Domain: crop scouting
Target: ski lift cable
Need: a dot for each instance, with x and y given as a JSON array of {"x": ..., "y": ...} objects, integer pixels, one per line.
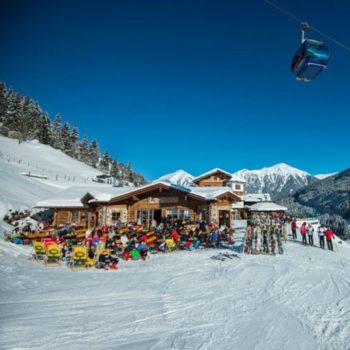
[{"x": 295, "y": 18}]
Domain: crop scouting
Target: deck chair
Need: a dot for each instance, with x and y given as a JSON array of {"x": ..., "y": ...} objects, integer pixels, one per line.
[
  {"x": 53, "y": 255},
  {"x": 80, "y": 234},
  {"x": 170, "y": 243},
  {"x": 79, "y": 257},
  {"x": 135, "y": 254},
  {"x": 39, "y": 250},
  {"x": 99, "y": 252}
]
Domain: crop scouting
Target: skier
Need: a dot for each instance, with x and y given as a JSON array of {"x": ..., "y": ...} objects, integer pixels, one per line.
[
  {"x": 329, "y": 235},
  {"x": 310, "y": 233},
  {"x": 321, "y": 231},
  {"x": 294, "y": 228},
  {"x": 303, "y": 231}
]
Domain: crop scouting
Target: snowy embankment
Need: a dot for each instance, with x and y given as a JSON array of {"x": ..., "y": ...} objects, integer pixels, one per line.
[
  {"x": 182, "y": 300},
  {"x": 21, "y": 192}
]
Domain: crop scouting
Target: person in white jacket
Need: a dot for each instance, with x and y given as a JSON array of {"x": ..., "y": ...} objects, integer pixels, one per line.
[
  {"x": 310, "y": 234},
  {"x": 321, "y": 231}
]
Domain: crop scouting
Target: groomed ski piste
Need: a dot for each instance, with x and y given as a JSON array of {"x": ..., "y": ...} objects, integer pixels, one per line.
[{"x": 180, "y": 300}]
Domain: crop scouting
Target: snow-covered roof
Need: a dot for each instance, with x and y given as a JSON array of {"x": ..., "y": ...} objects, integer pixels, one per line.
[
  {"x": 238, "y": 205},
  {"x": 72, "y": 196},
  {"x": 236, "y": 178},
  {"x": 212, "y": 172},
  {"x": 267, "y": 206},
  {"x": 210, "y": 193},
  {"x": 257, "y": 197},
  {"x": 165, "y": 184},
  {"x": 109, "y": 193}
]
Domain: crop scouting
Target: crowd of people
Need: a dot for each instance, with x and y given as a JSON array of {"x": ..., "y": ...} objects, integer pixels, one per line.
[
  {"x": 127, "y": 242},
  {"x": 268, "y": 233},
  {"x": 307, "y": 233},
  {"x": 265, "y": 234}
]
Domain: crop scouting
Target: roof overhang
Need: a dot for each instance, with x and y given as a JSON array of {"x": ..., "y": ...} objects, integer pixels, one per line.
[
  {"x": 230, "y": 195},
  {"x": 155, "y": 186},
  {"x": 211, "y": 172}
]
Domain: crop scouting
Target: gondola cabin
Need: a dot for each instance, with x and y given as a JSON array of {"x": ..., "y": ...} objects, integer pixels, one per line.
[{"x": 310, "y": 60}]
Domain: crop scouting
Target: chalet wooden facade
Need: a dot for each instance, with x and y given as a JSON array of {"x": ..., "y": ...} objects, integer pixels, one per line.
[{"x": 215, "y": 198}]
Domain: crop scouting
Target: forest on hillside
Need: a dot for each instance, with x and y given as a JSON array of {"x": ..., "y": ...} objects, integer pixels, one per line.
[{"x": 22, "y": 114}]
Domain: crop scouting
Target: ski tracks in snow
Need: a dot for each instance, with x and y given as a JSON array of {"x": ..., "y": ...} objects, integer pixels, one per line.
[{"x": 181, "y": 300}]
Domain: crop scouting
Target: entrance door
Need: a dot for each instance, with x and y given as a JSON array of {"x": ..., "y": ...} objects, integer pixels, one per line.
[
  {"x": 224, "y": 218},
  {"x": 157, "y": 215},
  {"x": 92, "y": 220}
]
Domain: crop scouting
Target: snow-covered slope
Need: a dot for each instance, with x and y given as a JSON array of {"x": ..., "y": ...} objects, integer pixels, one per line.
[
  {"x": 179, "y": 177},
  {"x": 21, "y": 192},
  {"x": 278, "y": 180},
  {"x": 324, "y": 176},
  {"x": 182, "y": 300}
]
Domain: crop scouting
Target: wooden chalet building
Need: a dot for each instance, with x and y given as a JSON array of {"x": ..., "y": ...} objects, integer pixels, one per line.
[{"x": 215, "y": 197}]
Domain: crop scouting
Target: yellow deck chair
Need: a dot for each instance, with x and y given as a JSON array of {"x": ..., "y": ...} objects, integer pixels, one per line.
[
  {"x": 101, "y": 251},
  {"x": 53, "y": 255},
  {"x": 170, "y": 243},
  {"x": 39, "y": 250},
  {"x": 79, "y": 257}
]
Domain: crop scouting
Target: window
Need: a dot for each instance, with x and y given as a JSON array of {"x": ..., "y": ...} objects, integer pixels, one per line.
[
  {"x": 115, "y": 216},
  {"x": 143, "y": 217},
  {"x": 75, "y": 216},
  {"x": 178, "y": 214},
  {"x": 237, "y": 187}
]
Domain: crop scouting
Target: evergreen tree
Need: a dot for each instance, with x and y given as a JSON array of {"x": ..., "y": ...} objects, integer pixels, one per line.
[
  {"x": 66, "y": 140},
  {"x": 44, "y": 132},
  {"x": 14, "y": 114},
  {"x": 3, "y": 101},
  {"x": 94, "y": 154},
  {"x": 114, "y": 171},
  {"x": 74, "y": 143},
  {"x": 32, "y": 119},
  {"x": 84, "y": 150},
  {"x": 104, "y": 163},
  {"x": 56, "y": 140}
]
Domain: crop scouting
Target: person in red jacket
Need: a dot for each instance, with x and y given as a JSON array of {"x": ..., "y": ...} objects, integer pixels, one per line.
[
  {"x": 303, "y": 231},
  {"x": 175, "y": 235},
  {"x": 329, "y": 236}
]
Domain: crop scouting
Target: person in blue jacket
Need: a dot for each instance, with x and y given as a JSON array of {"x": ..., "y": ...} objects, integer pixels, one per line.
[{"x": 143, "y": 248}]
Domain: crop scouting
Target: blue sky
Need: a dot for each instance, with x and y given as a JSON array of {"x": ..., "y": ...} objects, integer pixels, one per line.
[{"x": 184, "y": 84}]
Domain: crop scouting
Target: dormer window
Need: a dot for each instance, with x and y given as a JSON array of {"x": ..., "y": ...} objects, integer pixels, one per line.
[{"x": 237, "y": 187}]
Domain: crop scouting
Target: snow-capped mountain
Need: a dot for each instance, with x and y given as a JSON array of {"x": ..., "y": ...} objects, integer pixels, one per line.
[
  {"x": 179, "y": 177},
  {"x": 278, "y": 180}
]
